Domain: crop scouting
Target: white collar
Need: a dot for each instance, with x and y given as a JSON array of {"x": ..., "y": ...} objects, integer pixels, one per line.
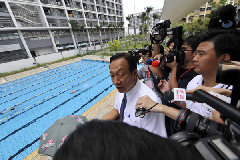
[{"x": 130, "y": 94}]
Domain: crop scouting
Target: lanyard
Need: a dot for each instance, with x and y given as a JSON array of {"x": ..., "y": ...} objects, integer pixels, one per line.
[{"x": 184, "y": 72}]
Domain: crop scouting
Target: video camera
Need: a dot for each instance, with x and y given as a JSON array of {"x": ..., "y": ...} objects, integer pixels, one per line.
[
  {"x": 211, "y": 139},
  {"x": 160, "y": 31},
  {"x": 148, "y": 49}
]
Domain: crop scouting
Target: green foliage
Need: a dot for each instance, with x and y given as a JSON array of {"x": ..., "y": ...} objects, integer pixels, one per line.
[
  {"x": 114, "y": 45},
  {"x": 75, "y": 25},
  {"x": 196, "y": 27},
  {"x": 145, "y": 28},
  {"x": 217, "y": 7}
]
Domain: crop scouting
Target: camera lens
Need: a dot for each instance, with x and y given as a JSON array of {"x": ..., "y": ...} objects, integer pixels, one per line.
[{"x": 194, "y": 122}]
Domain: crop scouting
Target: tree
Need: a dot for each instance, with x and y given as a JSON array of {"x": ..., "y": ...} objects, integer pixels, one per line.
[
  {"x": 98, "y": 28},
  {"x": 217, "y": 7},
  {"x": 92, "y": 31},
  {"x": 155, "y": 16},
  {"x": 109, "y": 27},
  {"x": 119, "y": 25},
  {"x": 148, "y": 10},
  {"x": 81, "y": 28},
  {"x": 143, "y": 17},
  {"x": 114, "y": 27},
  {"x": 75, "y": 28},
  {"x": 197, "y": 27},
  {"x": 114, "y": 45},
  {"x": 145, "y": 29},
  {"x": 129, "y": 19},
  {"x": 103, "y": 24}
]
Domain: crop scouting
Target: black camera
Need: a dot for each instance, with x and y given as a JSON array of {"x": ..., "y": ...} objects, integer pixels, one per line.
[
  {"x": 140, "y": 112},
  {"x": 148, "y": 49},
  {"x": 160, "y": 31},
  {"x": 180, "y": 55}
]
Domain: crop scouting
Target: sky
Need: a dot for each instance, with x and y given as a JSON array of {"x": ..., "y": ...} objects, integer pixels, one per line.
[{"x": 128, "y": 6}]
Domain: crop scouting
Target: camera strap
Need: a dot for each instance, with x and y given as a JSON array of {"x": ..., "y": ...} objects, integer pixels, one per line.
[
  {"x": 184, "y": 73},
  {"x": 155, "y": 81}
]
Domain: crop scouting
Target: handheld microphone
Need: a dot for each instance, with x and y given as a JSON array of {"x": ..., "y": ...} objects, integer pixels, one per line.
[
  {"x": 156, "y": 63},
  {"x": 179, "y": 94},
  {"x": 149, "y": 61},
  {"x": 223, "y": 107}
]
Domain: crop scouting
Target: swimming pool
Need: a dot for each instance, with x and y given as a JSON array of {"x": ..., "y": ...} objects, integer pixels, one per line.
[{"x": 28, "y": 106}]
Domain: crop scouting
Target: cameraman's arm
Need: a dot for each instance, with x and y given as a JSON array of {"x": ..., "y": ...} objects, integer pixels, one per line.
[
  {"x": 173, "y": 78},
  {"x": 156, "y": 50},
  {"x": 157, "y": 71}
]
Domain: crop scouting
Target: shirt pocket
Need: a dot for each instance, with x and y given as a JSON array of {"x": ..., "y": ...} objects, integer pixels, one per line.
[{"x": 133, "y": 121}]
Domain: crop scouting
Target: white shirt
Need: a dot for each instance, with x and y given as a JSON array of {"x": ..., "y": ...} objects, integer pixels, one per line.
[
  {"x": 198, "y": 107},
  {"x": 153, "y": 122}
]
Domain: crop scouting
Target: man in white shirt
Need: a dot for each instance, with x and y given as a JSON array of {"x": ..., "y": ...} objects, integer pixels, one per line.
[{"x": 123, "y": 71}]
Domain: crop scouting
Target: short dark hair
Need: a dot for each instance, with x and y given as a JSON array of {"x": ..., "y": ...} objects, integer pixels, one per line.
[
  {"x": 193, "y": 41},
  {"x": 131, "y": 60},
  {"x": 119, "y": 141},
  {"x": 225, "y": 41}
]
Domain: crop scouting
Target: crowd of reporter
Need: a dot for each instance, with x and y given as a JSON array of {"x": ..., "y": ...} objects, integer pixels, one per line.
[{"x": 197, "y": 70}]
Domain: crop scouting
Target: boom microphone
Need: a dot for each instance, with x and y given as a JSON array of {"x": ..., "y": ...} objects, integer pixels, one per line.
[{"x": 223, "y": 107}]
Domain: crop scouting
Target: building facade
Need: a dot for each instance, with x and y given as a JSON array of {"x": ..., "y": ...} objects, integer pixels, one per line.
[
  {"x": 138, "y": 21},
  {"x": 42, "y": 27},
  {"x": 204, "y": 10}
]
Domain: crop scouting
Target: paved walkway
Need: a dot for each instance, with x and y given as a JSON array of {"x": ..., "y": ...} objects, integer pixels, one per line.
[{"x": 97, "y": 111}]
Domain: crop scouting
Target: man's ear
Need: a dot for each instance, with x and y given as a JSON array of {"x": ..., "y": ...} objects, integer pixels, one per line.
[{"x": 226, "y": 57}]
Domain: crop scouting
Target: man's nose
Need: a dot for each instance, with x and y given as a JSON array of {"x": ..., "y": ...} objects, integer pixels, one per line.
[{"x": 116, "y": 80}]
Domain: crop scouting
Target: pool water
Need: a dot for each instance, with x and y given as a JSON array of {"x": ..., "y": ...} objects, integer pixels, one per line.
[{"x": 30, "y": 105}]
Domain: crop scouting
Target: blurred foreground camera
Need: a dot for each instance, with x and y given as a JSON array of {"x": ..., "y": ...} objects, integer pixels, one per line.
[
  {"x": 228, "y": 74},
  {"x": 211, "y": 139}
]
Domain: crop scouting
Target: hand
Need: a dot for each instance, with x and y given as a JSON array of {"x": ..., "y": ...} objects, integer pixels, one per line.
[
  {"x": 199, "y": 87},
  {"x": 163, "y": 86},
  {"x": 158, "y": 57},
  {"x": 216, "y": 117},
  {"x": 146, "y": 102},
  {"x": 172, "y": 64},
  {"x": 144, "y": 58}
]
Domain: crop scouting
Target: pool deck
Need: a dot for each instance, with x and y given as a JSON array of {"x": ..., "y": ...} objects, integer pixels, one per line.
[{"x": 97, "y": 111}]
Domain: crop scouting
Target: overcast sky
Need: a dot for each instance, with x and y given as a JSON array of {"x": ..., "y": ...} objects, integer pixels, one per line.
[{"x": 128, "y": 6}]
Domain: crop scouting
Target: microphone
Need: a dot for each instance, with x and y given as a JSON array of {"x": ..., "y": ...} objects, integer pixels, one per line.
[
  {"x": 149, "y": 61},
  {"x": 224, "y": 108},
  {"x": 156, "y": 63},
  {"x": 179, "y": 94}
]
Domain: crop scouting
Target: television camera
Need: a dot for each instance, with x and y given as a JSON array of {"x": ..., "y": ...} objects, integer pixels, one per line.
[{"x": 159, "y": 33}]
